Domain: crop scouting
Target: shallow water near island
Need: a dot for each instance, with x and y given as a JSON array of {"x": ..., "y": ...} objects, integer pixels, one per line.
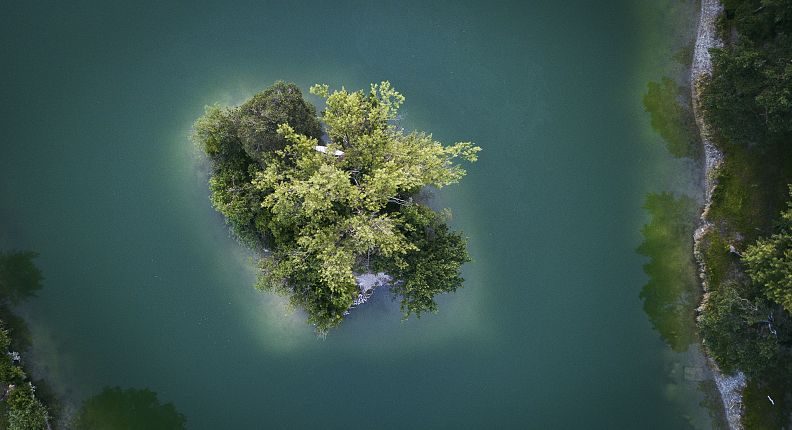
[{"x": 144, "y": 287}]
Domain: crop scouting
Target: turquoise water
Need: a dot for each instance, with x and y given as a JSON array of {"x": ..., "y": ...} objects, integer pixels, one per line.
[{"x": 144, "y": 288}]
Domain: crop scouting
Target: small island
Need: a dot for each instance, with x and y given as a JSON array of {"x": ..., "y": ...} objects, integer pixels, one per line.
[{"x": 333, "y": 203}]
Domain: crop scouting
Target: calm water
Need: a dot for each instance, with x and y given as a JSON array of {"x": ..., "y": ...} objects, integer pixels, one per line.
[{"x": 144, "y": 288}]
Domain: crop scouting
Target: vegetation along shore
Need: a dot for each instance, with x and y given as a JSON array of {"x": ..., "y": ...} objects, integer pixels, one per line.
[{"x": 742, "y": 92}]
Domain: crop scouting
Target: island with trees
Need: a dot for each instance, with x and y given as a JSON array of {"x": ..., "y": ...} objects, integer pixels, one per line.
[{"x": 331, "y": 202}]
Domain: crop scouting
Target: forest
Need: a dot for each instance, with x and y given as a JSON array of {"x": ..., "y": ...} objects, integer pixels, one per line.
[{"x": 746, "y": 322}]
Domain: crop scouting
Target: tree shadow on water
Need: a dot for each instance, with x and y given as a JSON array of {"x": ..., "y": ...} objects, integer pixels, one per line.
[
  {"x": 127, "y": 409},
  {"x": 672, "y": 293},
  {"x": 20, "y": 278},
  {"x": 669, "y": 106},
  {"x": 113, "y": 408}
]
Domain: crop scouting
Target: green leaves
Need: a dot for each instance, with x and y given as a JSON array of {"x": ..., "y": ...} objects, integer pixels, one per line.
[
  {"x": 733, "y": 334},
  {"x": 259, "y": 119},
  {"x": 331, "y": 209},
  {"x": 769, "y": 262},
  {"x": 432, "y": 267},
  {"x": 25, "y": 411},
  {"x": 749, "y": 98}
]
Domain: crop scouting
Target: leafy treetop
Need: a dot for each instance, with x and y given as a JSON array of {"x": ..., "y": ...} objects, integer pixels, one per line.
[{"x": 769, "y": 261}]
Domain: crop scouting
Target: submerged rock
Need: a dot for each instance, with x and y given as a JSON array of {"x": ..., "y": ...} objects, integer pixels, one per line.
[{"x": 367, "y": 283}]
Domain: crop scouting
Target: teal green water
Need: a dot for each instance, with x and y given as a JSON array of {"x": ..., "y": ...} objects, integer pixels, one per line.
[{"x": 145, "y": 289}]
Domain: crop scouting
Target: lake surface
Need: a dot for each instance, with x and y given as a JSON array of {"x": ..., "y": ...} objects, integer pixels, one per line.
[{"x": 144, "y": 287}]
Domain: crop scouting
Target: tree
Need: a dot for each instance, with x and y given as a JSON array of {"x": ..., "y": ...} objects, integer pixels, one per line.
[
  {"x": 432, "y": 266},
  {"x": 19, "y": 280},
  {"x": 130, "y": 409},
  {"x": 735, "y": 332},
  {"x": 331, "y": 211},
  {"x": 729, "y": 97},
  {"x": 749, "y": 98},
  {"x": 258, "y": 119},
  {"x": 25, "y": 412},
  {"x": 769, "y": 261},
  {"x": 332, "y": 208},
  {"x": 238, "y": 142}
]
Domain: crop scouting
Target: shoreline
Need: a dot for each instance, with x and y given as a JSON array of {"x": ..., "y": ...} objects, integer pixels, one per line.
[{"x": 730, "y": 387}]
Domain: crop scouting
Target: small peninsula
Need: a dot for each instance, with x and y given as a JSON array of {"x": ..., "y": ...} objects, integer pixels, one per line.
[{"x": 333, "y": 202}]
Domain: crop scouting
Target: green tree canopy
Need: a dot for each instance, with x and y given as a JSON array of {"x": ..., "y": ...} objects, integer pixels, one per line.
[
  {"x": 258, "y": 119},
  {"x": 769, "y": 262},
  {"x": 21, "y": 409},
  {"x": 331, "y": 209},
  {"x": 735, "y": 332},
  {"x": 239, "y": 141},
  {"x": 749, "y": 98},
  {"x": 25, "y": 412}
]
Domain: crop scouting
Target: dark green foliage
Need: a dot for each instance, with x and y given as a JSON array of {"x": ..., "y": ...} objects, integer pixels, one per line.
[
  {"x": 760, "y": 21},
  {"x": 235, "y": 197},
  {"x": 25, "y": 412},
  {"x": 19, "y": 280},
  {"x": 130, "y": 409},
  {"x": 669, "y": 107},
  {"x": 238, "y": 142},
  {"x": 216, "y": 134},
  {"x": 747, "y": 103},
  {"x": 46, "y": 394},
  {"x": 300, "y": 279},
  {"x": 433, "y": 268},
  {"x": 259, "y": 118},
  {"x": 769, "y": 262},
  {"x": 736, "y": 334},
  {"x": 749, "y": 98},
  {"x": 735, "y": 322},
  {"x": 672, "y": 293},
  {"x": 19, "y": 276},
  {"x": 21, "y": 409},
  {"x": 729, "y": 97},
  {"x": 760, "y": 413},
  {"x": 9, "y": 373}
]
